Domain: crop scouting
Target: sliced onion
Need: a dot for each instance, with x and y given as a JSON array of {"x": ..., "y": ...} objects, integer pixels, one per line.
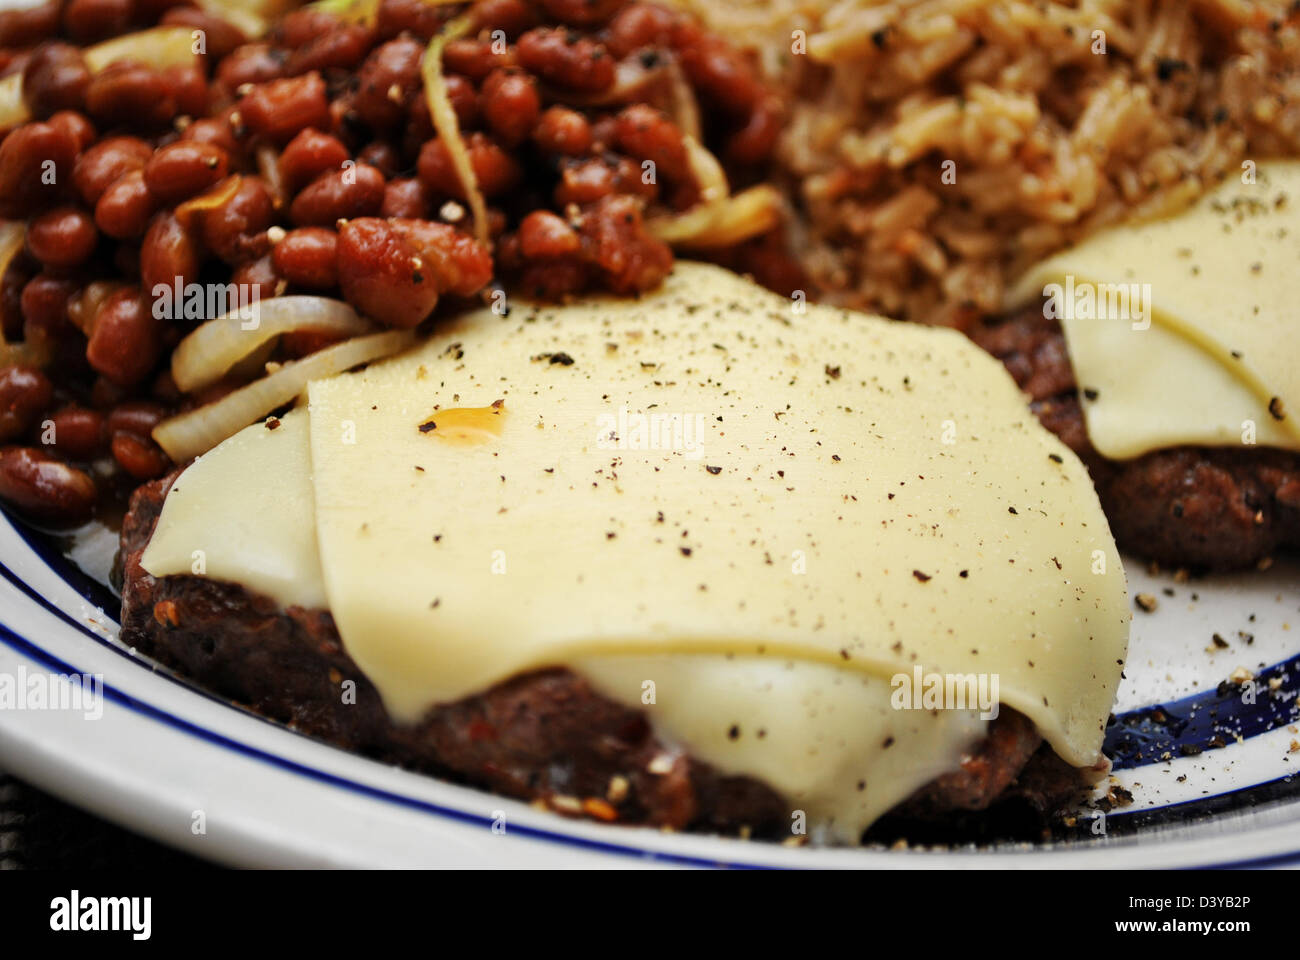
[
  {"x": 686, "y": 109},
  {"x": 211, "y": 199},
  {"x": 159, "y": 48},
  {"x": 208, "y": 354},
  {"x": 445, "y": 123},
  {"x": 748, "y": 214},
  {"x": 358, "y": 11},
  {"x": 13, "y": 110},
  {"x": 13, "y": 234},
  {"x": 252, "y": 17},
  {"x": 268, "y": 165},
  {"x": 719, "y": 219},
  {"x": 199, "y": 430}
]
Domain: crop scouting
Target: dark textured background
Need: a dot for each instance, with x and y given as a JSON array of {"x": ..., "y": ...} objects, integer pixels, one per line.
[{"x": 40, "y": 832}]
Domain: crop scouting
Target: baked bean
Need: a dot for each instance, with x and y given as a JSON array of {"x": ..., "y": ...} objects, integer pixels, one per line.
[
  {"x": 576, "y": 64},
  {"x": 220, "y": 38},
  {"x": 754, "y": 141},
  {"x": 251, "y": 63},
  {"x": 236, "y": 230},
  {"x": 415, "y": 16},
  {"x": 308, "y": 257},
  {"x": 45, "y": 489},
  {"x": 36, "y": 163},
  {"x": 184, "y": 169},
  {"x": 589, "y": 180},
  {"x": 381, "y": 274},
  {"x": 28, "y": 27},
  {"x": 78, "y": 433},
  {"x": 216, "y": 131},
  {"x": 307, "y": 156},
  {"x": 615, "y": 240},
  {"x": 454, "y": 260},
  {"x": 135, "y": 416},
  {"x": 62, "y": 238},
  {"x": 131, "y": 95},
  {"x": 280, "y": 109},
  {"x": 721, "y": 75},
  {"x": 77, "y": 127},
  {"x": 45, "y": 308},
  {"x": 647, "y": 135},
  {"x": 383, "y": 156},
  {"x": 99, "y": 166},
  {"x": 495, "y": 170},
  {"x": 168, "y": 255},
  {"x": 543, "y": 235},
  {"x": 259, "y": 275},
  {"x": 24, "y": 393},
  {"x": 139, "y": 457},
  {"x": 640, "y": 25},
  {"x": 341, "y": 47},
  {"x": 89, "y": 20},
  {"x": 564, "y": 131},
  {"x": 387, "y": 82},
  {"x": 55, "y": 78},
  {"x": 407, "y": 197},
  {"x": 581, "y": 13},
  {"x": 355, "y": 191},
  {"x": 188, "y": 87},
  {"x": 510, "y": 104},
  {"x": 126, "y": 341},
  {"x": 512, "y": 17},
  {"x": 124, "y": 209},
  {"x": 475, "y": 58}
]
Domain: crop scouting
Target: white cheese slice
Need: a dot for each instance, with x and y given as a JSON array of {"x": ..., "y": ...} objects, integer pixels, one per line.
[
  {"x": 826, "y": 738},
  {"x": 864, "y": 494},
  {"x": 1219, "y": 362},
  {"x": 244, "y": 512}
]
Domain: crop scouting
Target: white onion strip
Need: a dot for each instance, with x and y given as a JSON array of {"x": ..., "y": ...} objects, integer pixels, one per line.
[
  {"x": 198, "y": 431},
  {"x": 13, "y": 109},
  {"x": 748, "y": 214},
  {"x": 159, "y": 48},
  {"x": 208, "y": 353},
  {"x": 719, "y": 219},
  {"x": 443, "y": 115}
]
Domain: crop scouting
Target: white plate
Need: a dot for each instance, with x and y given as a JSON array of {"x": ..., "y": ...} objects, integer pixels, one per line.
[{"x": 179, "y": 765}]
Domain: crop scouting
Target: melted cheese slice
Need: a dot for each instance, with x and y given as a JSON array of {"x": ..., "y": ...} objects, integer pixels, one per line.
[
  {"x": 825, "y": 501},
  {"x": 245, "y": 513},
  {"x": 1219, "y": 363}
]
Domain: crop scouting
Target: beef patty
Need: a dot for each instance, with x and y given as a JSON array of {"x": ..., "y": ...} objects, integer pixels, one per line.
[
  {"x": 543, "y": 736},
  {"x": 1213, "y": 508}
]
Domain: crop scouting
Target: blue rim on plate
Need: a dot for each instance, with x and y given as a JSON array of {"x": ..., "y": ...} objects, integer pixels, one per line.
[{"x": 1137, "y": 738}]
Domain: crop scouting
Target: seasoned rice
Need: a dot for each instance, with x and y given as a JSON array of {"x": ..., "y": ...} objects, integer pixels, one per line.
[{"x": 936, "y": 148}]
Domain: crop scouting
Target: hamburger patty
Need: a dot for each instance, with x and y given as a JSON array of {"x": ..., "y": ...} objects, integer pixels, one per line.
[
  {"x": 543, "y": 736},
  {"x": 1204, "y": 507}
]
